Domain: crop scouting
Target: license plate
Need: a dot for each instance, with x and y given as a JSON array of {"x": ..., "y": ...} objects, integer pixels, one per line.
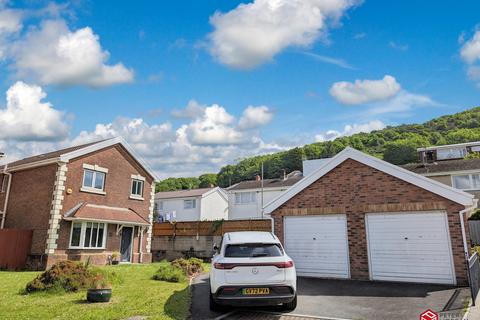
[{"x": 256, "y": 291}]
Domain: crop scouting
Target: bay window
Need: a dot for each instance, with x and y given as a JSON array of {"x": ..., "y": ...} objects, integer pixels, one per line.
[{"x": 88, "y": 235}]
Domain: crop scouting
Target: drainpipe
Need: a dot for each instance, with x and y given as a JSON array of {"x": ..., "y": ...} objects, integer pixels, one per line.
[
  {"x": 140, "y": 256},
  {"x": 4, "y": 212}
]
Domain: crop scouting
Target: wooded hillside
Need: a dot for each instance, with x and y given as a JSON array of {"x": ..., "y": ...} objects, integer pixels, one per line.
[{"x": 395, "y": 144}]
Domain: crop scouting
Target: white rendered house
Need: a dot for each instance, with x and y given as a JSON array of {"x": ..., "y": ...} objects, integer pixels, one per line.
[{"x": 192, "y": 205}]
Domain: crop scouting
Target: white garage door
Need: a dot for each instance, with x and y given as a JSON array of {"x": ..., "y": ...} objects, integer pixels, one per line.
[
  {"x": 318, "y": 245},
  {"x": 410, "y": 247}
]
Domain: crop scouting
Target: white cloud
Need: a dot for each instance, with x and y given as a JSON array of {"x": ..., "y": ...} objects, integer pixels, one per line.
[
  {"x": 349, "y": 130},
  {"x": 52, "y": 54},
  {"x": 214, "y": 127},
  {"x": 254, "y": 33},
  {"x": 335, "y": 61},
  {"x": 398, "y": 46},
  {"x": 254, "y": 117},
  {"x": 365, "y": 91},
  {"x": 192, "y": 110},
  {"x": 10, "y": 21},
  {"x": 470, "y": 53},
  {"x": 402, "y": 102},
  {"x": 201, "y": 144},
  {"x": 26, "y": 117},
  {"x": 10, "y": 24}
]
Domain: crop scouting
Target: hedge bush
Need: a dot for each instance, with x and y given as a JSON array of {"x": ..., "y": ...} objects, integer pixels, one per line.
[
  {"x": 169, "y": 273},
  {"x": 70, "y": 276}
]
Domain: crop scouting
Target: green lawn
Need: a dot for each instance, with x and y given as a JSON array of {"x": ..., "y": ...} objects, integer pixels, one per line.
[{"x": 137, "y": 295}]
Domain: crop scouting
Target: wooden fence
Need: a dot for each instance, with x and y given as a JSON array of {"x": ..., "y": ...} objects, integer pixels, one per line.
[
  {"x": 14, "y": 248},
  {"x": 474, "y": 227},
  {"x": 209, "y": 228}
]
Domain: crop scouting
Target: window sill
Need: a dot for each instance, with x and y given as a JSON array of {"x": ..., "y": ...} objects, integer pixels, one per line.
[
  {"x": 85, "y": 248},
  {"x": 134, "y": 197},
  {"x": 92, "y": 190}
]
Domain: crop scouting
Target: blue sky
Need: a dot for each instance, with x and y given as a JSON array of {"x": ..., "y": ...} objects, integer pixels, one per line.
[{"x": 197, "y": 85}]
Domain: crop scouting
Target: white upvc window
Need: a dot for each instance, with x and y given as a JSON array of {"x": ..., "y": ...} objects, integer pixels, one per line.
[
  {"x": 137, "y": 188},
  {"x": 451, "y": 153},
  {"x": 466, "y": 181},
  {"x": 94, "y": 179},
  {"x": 189, "y": 204},
  {"x": 88, "y": 235},
  {"x": 245, "y": 197}
]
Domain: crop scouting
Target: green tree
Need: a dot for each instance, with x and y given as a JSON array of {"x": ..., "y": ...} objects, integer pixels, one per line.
[{"x": 208, "y": 180}]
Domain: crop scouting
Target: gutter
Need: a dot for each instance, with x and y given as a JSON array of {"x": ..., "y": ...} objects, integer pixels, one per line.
[{"x": 7, "y": 196}]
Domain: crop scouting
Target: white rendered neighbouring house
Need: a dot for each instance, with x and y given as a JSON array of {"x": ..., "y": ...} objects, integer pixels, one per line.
[
  {"x": 192, "y": 205},
  {"x": 245, "y": 198}
]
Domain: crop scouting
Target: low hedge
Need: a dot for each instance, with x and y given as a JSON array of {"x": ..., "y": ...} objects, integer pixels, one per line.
[
  {"x": 70, "y": 276},
  {"x": 178, "y": 270}
]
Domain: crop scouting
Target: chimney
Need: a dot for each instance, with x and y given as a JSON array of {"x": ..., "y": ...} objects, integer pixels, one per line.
[{"x": 257, "y": 178}]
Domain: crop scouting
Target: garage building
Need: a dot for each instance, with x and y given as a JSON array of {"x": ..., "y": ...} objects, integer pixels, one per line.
[{"x": 359, "y": 217}]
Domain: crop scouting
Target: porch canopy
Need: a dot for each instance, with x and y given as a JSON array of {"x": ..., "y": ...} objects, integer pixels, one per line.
[{"x": 100, "y": 213}]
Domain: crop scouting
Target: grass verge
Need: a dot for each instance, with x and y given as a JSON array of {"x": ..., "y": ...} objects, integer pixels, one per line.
[{"x": 137, "y": 295}]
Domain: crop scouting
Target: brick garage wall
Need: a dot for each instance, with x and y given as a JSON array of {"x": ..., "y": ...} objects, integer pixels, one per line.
[
  {"x": 30, "y": 202},
  {"x": 120, "y": 167},
  {"x": 355, "y": 189}
]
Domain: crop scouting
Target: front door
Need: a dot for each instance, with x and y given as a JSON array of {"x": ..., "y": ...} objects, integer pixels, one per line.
[{"x": 126, "y": 244}]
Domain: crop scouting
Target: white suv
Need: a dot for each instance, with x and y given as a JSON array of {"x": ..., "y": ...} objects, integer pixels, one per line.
[{"x": 251, "y": 269}]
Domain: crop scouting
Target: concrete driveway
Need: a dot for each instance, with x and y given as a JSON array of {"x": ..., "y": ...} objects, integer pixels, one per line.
[{"x": 340, "y": 299}]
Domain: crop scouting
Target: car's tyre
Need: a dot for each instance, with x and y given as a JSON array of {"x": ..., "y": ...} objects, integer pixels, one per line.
[
  {"x": 290, "y": 306},
  {"x": 215, "y": 307}
]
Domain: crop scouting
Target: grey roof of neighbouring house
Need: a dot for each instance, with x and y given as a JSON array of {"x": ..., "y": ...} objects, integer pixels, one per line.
[
  {"x": 443, "y": 166},
  {"x": 182, "y": 193},
  {"x": 49, "y": 155},
  {"x": 267, "y": 183}
]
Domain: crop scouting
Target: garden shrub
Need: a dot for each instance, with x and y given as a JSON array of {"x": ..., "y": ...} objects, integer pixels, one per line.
[
  {"x": 169, "y": 273},
  {"x": 189, "y": 266},
  {"x": 475, "y": 216},
  {"x": 67, "y": 275},
  {"x": 70, "y": 276}
]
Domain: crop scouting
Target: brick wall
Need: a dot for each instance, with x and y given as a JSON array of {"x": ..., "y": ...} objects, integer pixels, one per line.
[
  {"x": 30, "y": 202},
  {"x": 355, "y": 189}
]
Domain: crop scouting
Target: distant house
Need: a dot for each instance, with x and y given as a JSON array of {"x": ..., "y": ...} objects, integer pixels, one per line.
[
  {"x": 447, "y": 164},
  {"x": 245, "y": 198},
  {"x": 83, "y": 202},
  {"x": 192, "y": 205}
]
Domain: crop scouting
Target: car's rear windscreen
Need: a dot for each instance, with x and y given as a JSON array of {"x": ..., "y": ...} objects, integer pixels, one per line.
[{"x": 249, "y": 250}]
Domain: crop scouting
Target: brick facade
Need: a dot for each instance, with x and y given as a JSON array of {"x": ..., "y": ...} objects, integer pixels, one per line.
[
  {"x": 30, "y": 202},
  {"x": 34, "y": 195},
  {"x": 355, "y": 189}
]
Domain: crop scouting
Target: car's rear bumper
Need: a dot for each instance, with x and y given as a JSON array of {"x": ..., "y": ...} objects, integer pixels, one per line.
[
  {"x": 237, "y": 299},
  {"x": 254, "y": 301}
]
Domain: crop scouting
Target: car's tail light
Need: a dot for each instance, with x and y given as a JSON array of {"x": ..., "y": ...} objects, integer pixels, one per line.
[
  {"x": 224, "y": 266},
  {"x": 229, "y": 266},
  {"x": 282, "y": 265}
]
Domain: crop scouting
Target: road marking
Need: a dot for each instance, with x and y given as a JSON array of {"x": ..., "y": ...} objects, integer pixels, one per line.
[{"x": 224, "y": 316}]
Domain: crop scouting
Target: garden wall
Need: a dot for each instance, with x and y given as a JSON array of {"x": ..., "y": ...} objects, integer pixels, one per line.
[{"x": 196, "y": 238}]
